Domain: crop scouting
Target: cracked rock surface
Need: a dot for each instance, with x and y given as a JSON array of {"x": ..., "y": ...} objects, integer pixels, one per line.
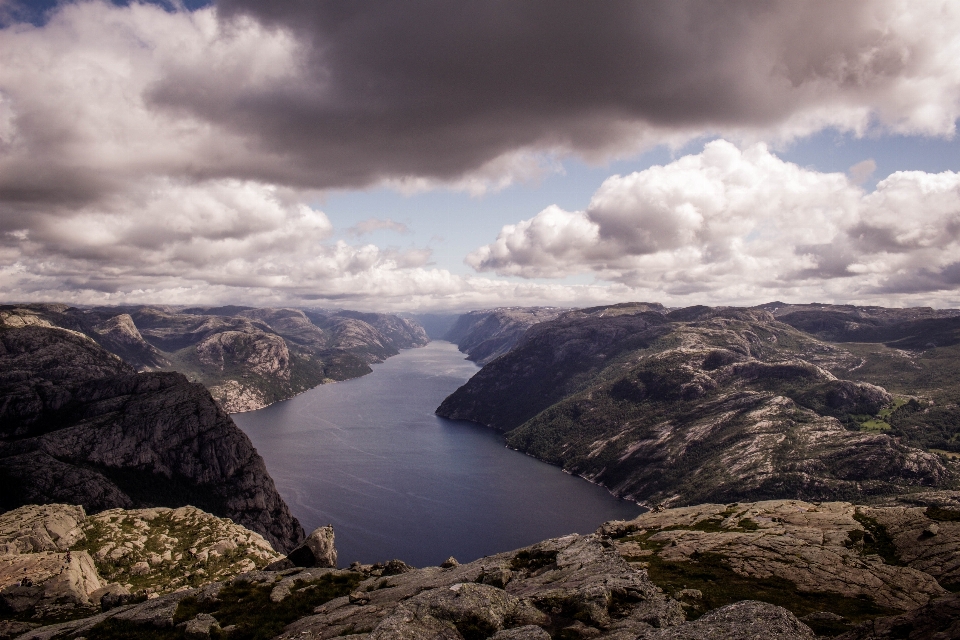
[{"x": 881, "y": 557}]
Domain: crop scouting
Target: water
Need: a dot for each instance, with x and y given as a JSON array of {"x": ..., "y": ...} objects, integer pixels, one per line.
[{"x": 370, "y": 457}]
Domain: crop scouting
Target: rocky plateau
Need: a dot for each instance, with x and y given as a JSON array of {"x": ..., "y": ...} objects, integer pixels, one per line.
[{"x": 776, "y": 569}]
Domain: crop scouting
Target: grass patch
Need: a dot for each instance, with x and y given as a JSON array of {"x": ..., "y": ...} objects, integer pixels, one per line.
[
  {"x": 720, "y": 585},
  {"x": 244, "y": 604},
  {"x": 533, "y": 560},
  {"x": 886, "y": 412},
  {"x": 874, "y": 424}
]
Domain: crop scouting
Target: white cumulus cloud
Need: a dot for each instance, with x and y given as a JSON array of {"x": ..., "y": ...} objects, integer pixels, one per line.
[{"x": 736, "y": 225}]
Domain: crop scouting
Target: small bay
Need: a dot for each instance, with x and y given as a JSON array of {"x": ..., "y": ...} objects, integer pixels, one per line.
[{"x": 396, "y": 481}]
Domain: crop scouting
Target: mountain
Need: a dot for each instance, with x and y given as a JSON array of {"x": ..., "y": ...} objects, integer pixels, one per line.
[
  {"x": 78, "y": 425},
  {"x": 437, "y": 325},
  {"x": 911, "y": 328},
  {"x": 701, "y": 405},
  {"x": 913, "y": 353},
  {"x": 247, "y": 357},
  {"x": 486, "y": 335}
]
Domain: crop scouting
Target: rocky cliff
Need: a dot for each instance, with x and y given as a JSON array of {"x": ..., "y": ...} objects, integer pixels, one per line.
[
  {"x": 696, "y": 405},
  {"x": 777, "y": 569},
  {"x": 78, "y": 425},
  {"x": 248, "y": 358},
  {"x": 58, "y": 562},
  {"x": 488, "y": 334}
]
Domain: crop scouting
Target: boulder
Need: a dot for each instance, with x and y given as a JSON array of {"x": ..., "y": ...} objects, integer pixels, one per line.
[
  {"x": 33, "y": 528},
  {"x": 745, "y": 619},
  {"x": 47, "y": 582},
  {"x": 316, "y": 551}
]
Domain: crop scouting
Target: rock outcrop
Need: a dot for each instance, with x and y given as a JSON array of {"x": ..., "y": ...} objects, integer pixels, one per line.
[
  {"x": 695, "y": 405},
  {"x": 575, "y": 587},
  {"x": 77, "y": 425},
  {"x": 833, "y": 563},
  {"x": 317, "y": 550},
  {"x": 119, "y": 335},
  {"x": 605, "y": 586},
  {"x": 745, "y": 619},
  {"x": 56, "y": 562}
]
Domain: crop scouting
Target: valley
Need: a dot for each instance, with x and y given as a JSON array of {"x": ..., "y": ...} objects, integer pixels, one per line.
[{"x": 799, "y": 462}]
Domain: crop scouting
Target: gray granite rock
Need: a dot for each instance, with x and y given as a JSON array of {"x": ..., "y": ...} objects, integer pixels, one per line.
[
  {"x": 317, "y": 550},
  {"x": 746, "y": 620},
  {"x": 939, "y": 619}
]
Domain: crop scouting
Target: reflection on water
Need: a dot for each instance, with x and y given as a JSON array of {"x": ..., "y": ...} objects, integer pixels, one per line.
[{"x": 370, "y": 457}]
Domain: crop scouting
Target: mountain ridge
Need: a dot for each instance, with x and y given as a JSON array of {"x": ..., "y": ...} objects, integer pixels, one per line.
[{"x": 696, "y": 405}]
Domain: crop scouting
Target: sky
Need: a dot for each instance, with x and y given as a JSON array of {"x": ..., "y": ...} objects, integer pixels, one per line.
[{"x": 437, "y": 156}]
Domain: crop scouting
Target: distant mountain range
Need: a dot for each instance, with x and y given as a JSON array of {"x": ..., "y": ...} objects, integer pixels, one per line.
[{"x": 247, "y": 357}]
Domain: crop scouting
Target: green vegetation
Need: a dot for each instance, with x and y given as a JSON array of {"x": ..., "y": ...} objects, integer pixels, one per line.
[
  {"x": 927, "y": 412},
  {"x": 711, "y": 574},
  {"x": 180, "y": 536},
  {"x": 873, "y": 424},
  {"x": 245, "y": 606}
]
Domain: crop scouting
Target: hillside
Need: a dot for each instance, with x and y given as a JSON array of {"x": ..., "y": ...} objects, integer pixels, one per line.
[
  {"x": 485, "y": 335},
  {"x": 707, "y": 405},
  {"x": 248, "y": 358},
  {"x": 78, "y": 425}
]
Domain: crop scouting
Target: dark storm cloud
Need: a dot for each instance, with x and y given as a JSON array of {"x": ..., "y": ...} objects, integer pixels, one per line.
[{"x": 438, "y": 89}]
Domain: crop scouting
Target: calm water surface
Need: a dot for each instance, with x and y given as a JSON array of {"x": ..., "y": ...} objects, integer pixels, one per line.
[{"x": 396, "y": 481}]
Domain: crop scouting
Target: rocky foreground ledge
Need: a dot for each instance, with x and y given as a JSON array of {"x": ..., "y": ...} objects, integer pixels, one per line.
[{"x": 783, "y": 569}]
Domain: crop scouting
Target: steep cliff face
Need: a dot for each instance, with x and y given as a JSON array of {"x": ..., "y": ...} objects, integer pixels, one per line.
[
  {"x": 487, "y": 335},
  {"x": 694, "y": 406},
  {"x": 78, "y": 425},
  {"x": 119, "y": 335}
]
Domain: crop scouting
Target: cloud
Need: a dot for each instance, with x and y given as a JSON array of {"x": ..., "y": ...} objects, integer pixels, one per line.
[
  {"x": 861, "y": 172},
  {"x": 730, "y": 224},
  {"x": 150, "y": 154},
  {"x": 370, "y": 225},
  {"x": 320, "y": 95},
  {"x": 183, "y": 242}
]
